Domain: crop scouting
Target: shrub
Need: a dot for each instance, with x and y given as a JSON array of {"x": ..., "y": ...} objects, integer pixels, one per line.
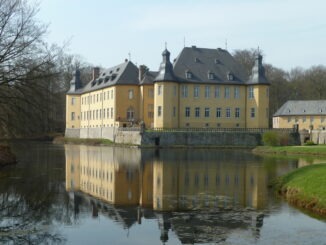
[
  {"x": 271, "y": 138},
  {"x": 309, "y": 142}
]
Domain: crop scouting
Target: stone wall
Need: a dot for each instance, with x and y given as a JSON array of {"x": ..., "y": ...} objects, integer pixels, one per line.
[
  {"x": 128, "y": 137},
  {"x": 72, "y": 133},
  {"x": 148, "y": 138},
  {"x": 201, "y": 138},
  {"x": 318, "y": 136}
]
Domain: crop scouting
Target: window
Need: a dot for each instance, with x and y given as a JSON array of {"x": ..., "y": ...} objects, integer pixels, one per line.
[
  {"x": 73, "y": 100},
  {"x": 159, "y": 111},
  {"x": 96, "y": 97},
  {"x": 228, "y": 112},
  {"x": 112, "y": 94},
  {"x": 174, "y": 111},
  {"x": 304, "y": 119},
  {"x": 159, "y": 89},
  {"x": 151, "y": 93},
  {"x": 207, "y": 91},
  {"x": 226, "y": 92},
  {"x": 311, "y": 119},
  {"x": 210, "y": 75},
  {"x": 252, "y": 112},
  {"x": 197, "y": 112},
  {"x": 130, "y": 94},
  {"x": 206, "y": 111},
  {"x": 103, "y": 113},
  {"x": 96, "y": 114},
  {"x": 196, "y": 91},
  {"x": 188, "y": 74},
  {"x": 236, "y": 92},
  {"x": 251, "y": 92},
  {"x": 174, "y": 90},
  {"x": 130, "y": 113},
  {"x": 187, "y": 112},
  {"x": 72, "y": 116},
  {"x": 237, "y": 112},
  {"x": 184, "y": 91},
  {"x": 217, "y": 92},
  {"x": 322, "y": 119},
  {"x": 111, "y": 112},
  {"x": 218, "y": 112}
]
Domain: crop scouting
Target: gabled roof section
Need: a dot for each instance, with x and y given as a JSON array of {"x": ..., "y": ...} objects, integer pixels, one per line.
[
  {"x": 258, "y": 72},
  {"x": 302, "y": 107},
  {"x": 122, "y": 74},
  {"x": 149, "y": 77},
  {"x": 166, "y": 69},
  {"x": 204, "y": 65}
]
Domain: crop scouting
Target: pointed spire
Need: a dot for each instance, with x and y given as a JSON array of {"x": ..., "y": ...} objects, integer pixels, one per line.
[
  {"x": 258, "y": 71},
  {"x": 166, "y": 69}
]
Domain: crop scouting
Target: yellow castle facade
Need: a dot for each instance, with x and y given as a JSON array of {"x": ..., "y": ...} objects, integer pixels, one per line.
[{"x": 203, "y": 88}]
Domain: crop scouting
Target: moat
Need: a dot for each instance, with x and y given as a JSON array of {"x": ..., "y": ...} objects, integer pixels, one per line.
[{"x": 77, "y": 194}]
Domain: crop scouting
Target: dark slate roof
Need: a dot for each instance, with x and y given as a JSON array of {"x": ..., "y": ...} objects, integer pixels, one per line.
[
  {"x": 123, "y": 74},
  {"x": 302, "y": 107},
  {"x": 166, "y": 68},
  {"x": 75, "y": 84},
  {"x": 199, "y": 62},
  {"x": 258, "y": 72},
  {"x": 148, "y": 77}
]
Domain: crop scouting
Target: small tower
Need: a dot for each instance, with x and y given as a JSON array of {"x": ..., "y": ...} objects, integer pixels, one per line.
[
  {"x": 166, "y": 91},
  {"x": 73, "y": 102},
  {"x": 257, "y": 115},
  {"x": 75, "y": 82}
]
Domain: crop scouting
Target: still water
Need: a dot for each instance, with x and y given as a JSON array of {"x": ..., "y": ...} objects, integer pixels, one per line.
[{"x": 77, "y": 194}]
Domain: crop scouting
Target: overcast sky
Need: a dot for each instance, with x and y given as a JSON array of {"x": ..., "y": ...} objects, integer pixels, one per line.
[{"x": 291, "y": 33}]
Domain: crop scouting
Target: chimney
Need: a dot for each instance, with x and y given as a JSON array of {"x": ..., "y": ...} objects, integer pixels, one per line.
[
  {"x": 96, "y": 73},
  {"x": 142, "y": 71}
]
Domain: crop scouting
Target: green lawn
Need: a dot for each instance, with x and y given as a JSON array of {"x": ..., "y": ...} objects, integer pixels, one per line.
[
  {"x": 83, "y": 141},
  {"x": 292, "y": 150},
  {"x": 306, "y": 187}
]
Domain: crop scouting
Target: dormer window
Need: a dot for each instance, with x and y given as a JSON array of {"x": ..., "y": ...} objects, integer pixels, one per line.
[
  {"x": 188, "y": 74},
  {"x": 196, "y": 60},
  {"x": 93, "y": 83},
  {"x": 210, "y": 75},
  {"x": 217, "y": 61},
  {"x": 99, "y": 81},
  {"x": 230, "y": 76},
  {"x": 113, "y": 76},
  {"x": 118, "y": 69},
  {"x": 106, "y": 79}
]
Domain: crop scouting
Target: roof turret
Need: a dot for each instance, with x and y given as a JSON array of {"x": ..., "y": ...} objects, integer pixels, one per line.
[
  {"x": 75, "y": 82},
  {"x": 166, "y": 69},
  {"x": 258, "y": 71}
]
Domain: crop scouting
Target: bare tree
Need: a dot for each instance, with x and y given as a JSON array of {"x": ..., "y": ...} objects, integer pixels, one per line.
[{"x": 26, "y": 67}]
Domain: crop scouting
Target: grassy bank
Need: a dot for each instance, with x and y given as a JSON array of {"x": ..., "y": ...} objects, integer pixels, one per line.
[
  {"x": 305, "y": 187},
  {"x": 64, "y": 140},
  {"x": 292, "y": 150}
]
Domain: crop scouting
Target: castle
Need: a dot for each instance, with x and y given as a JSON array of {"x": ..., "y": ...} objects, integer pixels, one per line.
[{"x": 201, "y": 88}]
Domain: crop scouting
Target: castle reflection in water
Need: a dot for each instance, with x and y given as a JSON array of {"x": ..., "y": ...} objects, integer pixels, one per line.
[
  {"x": 168, "y": 180},
  {"x": 176, "y": 180}
]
